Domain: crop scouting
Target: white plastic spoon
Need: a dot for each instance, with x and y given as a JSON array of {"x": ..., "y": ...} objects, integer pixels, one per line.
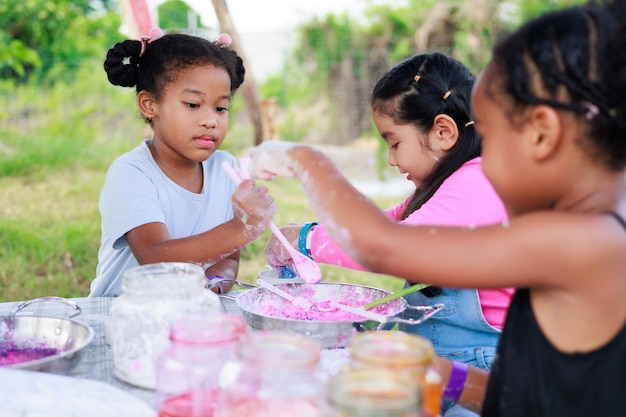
[
  {"x": 359, "y": 311},
  {"x": 299, "y": 302},
  {"x": 307, "y": 269}
]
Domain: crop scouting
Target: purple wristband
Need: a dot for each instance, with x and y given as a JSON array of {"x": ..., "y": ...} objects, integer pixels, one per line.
[
  {"x": 216, "y": 281},
  {"x": 456, "y": 382}
]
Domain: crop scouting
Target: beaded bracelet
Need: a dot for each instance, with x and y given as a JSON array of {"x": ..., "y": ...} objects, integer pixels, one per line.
[
  {"x": 456, "y": 382},
  {"x": 302, "y": 238}
]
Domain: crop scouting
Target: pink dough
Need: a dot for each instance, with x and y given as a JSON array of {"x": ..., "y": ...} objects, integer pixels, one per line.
[{"x": 318, "y": 311}]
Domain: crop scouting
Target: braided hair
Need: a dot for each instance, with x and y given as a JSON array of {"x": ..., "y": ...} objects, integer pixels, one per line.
[
  {"x": 128, "y": 65},
  {"x": 415, "y": 92},
  {"x": 572, "y": 59}
]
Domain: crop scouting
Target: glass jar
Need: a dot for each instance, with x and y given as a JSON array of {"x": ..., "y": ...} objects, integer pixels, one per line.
[
  {"x": 403, "y": 353},
  {"x": 275, "y": 375},
  {"x": 372, "y": 393},
  {"x": 188, "y": 370},
  {"x": 139, "y": 321}
]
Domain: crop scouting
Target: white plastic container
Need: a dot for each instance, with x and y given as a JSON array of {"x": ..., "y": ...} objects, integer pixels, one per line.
[{"x": 273, "y": 276}]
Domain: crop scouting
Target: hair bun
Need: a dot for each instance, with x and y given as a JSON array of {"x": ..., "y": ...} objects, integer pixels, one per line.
[{"x": 121, "y": 63}]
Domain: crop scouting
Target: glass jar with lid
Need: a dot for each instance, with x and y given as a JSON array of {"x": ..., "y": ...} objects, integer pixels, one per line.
[
  {"x": 372, "y": 392},
  {"x": 401, "y": 352},
  {"x": 153, "y": 296},
  {"x": 188, "y": 370},
  {"x": 275, "y": 375}
]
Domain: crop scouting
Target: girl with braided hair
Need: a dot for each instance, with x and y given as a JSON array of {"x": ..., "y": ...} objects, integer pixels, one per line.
[
  {"x": 169, "y": 200},
  {"x": 421, "y": 108},
  {"x": 551, "y": 112}
]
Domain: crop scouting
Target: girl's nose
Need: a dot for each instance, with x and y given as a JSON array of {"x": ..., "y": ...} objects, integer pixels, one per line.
[
  {"x": 209, "y": 122},
  {"x": 209, "y": 119}
]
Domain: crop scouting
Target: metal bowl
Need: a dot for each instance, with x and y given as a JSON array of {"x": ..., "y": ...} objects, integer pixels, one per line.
[
  {"x": 329, "y": 334},
  {"x": 31, "y": 333}
]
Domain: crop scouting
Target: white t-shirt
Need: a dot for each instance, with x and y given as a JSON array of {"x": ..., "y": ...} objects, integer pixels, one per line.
[{"x": 136, "y": 192}]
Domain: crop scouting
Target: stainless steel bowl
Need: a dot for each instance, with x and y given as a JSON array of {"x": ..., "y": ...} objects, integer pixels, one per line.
[
  {"x": 66, "y": 336},
  {"x": 329, "y": 334}
]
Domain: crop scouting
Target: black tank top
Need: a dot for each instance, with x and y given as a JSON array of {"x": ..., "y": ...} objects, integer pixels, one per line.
[{"x": 530, "y": 378}]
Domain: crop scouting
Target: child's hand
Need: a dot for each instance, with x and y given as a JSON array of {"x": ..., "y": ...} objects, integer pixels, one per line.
[
  {"x": 270, "y": 159},
  {"x": 254, "y": 207},
  {"x": 275, "y": 252}
]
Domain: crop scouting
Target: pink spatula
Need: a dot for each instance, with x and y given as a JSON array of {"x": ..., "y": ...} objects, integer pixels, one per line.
[{"x": 307, "y": 269}]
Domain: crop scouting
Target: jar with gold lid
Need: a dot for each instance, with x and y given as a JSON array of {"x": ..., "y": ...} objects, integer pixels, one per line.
[
  {"x": 372, "y": 392},
  {"x": 153, "y": 296},
  {"x": 401, "y": 352}
]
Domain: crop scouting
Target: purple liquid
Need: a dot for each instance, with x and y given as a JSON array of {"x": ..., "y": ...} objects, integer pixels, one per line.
[{"x": 11, "y": 354}]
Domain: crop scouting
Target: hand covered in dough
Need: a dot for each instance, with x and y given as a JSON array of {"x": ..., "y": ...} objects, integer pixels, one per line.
[
  {"x": 253, "y": 207},
  {"x": 275, "y": 252},
  {"x": 270, "y": 159}
]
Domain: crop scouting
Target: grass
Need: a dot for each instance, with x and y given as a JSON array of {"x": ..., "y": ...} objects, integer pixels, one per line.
[
  {"x": 54, "y": 154},
  {"x": 50, "y": 234}
]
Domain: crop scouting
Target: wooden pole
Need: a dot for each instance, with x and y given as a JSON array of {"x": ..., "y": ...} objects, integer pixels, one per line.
[{"x": 249, "y": 88}]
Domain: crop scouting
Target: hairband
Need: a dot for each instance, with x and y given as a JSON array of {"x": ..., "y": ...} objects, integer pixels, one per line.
[
  {"x": 471, "y": 122},
  {"x": 224, "y": 40},
  {"x": 446, "y": 95},
  {"x": 153, "y": 35},
  {"x": 417, "y": 77}
]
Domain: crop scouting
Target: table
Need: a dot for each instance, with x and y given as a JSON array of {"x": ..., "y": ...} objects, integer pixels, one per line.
[{"x": 96, "y": 362}]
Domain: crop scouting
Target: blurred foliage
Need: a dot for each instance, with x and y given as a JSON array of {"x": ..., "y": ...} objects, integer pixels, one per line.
[
  {"x": 474, "y": 25},
  {"x": 45, "y": 40},
  {"x": 175, "y": 14},
  {"x": 72, "y": 123},
  {"x": 340, "y": 55}
]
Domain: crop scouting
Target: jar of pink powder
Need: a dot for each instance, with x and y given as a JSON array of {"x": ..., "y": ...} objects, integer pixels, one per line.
[
  {"x": 188, "y": 371},
  {"x": 275, "y": 375}
]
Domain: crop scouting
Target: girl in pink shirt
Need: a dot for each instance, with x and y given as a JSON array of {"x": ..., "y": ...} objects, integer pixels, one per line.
[{"x": 421, "y": 110}]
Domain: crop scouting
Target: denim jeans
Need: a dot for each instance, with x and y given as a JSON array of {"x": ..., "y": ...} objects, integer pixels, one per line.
[{"x": 459, "y": 331}]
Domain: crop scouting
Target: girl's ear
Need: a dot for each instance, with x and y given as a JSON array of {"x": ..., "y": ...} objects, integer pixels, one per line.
[
  {"x": 146, "y": 103},
  {"x": 546, "y": 131},
  {"x": 445, "y": 132}
]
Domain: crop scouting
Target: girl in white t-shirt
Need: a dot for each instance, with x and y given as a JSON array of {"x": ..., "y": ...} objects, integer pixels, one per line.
[{"x": 169, "y": 200}]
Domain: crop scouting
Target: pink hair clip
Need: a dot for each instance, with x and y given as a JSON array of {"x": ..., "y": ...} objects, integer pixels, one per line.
[
  {"x": 224, "y": 40},
  {"x": 153, "y": 35},
  {"x": 592, "y": 111}
]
